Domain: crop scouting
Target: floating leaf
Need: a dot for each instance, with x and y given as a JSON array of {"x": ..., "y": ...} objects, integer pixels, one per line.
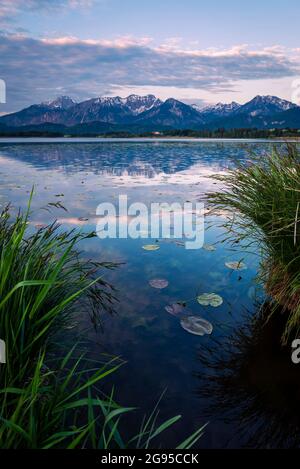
[
  {"x": 180, "y": 243},
  {"x": 159, "y": 283},
  {"x": 175, "y": 309},
  {"x": 196, "y": 325},
  {"x": 236, "y": 265},
  {"x": 210, "y": 299},
  {"x": 208, "y": 247},
  {"x": 57, "y": 205},
  {"x": 151, "y": 247}
]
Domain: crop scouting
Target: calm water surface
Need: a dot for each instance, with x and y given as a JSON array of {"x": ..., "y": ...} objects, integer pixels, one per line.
[{"x": 159, "y": 353}]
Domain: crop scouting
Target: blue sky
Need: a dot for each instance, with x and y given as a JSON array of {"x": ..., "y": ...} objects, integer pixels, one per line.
[{"x": 192, "y": 50}]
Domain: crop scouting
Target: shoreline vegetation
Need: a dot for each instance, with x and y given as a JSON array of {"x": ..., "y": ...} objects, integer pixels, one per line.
[
  {"x": 247, "y": 133},
  {"x": 51, "y": 395},
  {"x": 262, "y": 199}
]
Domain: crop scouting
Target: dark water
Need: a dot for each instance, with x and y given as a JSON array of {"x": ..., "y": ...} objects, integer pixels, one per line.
[{"x": 159, "y": 353}]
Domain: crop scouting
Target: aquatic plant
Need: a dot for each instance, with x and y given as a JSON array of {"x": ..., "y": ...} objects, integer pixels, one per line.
[
  {"x": 44, "y": 283},
  {"x": 236, "y": 265},
  {"x": 158, "y": 283},
  {"x": 62, "y": 406},
  {"x": 263, "y": 197},
  {"x": 210, "y": 299},
  {"x": 49, "y": 401},
  {"x": 151, "y": 247},
  {"x": 175, "y": 309},
  {"x": 196, "y": 325}
]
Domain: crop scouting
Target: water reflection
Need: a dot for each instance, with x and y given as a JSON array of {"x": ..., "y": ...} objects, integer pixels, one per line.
[
  {"x": 148, "y": 158},
  {"x": 250, "y": 380},
  {"x": 159, "y": 353}
]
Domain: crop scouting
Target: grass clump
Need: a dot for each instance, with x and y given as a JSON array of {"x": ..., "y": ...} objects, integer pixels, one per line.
[
  {"x": 264, "y": 196},
  {"x": 43, "y": 285},
  {"x": 48, "y": 400}
]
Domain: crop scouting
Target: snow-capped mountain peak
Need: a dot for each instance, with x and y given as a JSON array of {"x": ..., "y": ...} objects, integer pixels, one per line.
[
  {"x": 61, "y": 102},
  {"x": 220, "y": 109},
  {"x": 139, "y": 104},
  {"x": 133, "y": 103},
  {"x": 152, "y": 113},
  {"x": 266, "y": 105},
  {"x": 109, "y": 100}
]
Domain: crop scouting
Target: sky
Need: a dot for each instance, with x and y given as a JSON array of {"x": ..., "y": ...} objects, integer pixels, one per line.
[{"x": 196, "y": 51}]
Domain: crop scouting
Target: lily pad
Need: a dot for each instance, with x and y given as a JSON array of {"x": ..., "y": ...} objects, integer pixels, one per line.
[
  {"x": 151, "y": 247},
  {"x": 175, "y": 309},
  {"x": 196, "y": 325},
  {"x": 210, "y": 299},
  {"x": 159, "y": 283},
  {"x": 236, "y": 265},
  {"x": 208, "y": 247}
]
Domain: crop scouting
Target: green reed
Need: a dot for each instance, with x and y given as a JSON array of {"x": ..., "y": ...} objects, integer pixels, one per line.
[
  {"x": 263, "y": 196},
  {"x": 49, "y": 401}
]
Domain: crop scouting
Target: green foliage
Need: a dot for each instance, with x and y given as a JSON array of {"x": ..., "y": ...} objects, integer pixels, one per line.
[
  {"x": 43, "y": 284},
  {"x": 264, "y": 196},
  {"x": 56, "y": 402}
]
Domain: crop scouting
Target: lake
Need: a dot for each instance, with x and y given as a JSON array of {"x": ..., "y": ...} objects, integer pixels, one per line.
[{"x": 160, "y": 354}]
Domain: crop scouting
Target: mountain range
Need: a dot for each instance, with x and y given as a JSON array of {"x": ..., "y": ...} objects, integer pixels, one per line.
[{"x": 148, "y": 113}]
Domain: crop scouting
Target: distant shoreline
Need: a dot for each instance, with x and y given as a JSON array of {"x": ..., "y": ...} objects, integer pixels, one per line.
[
  {"x": 220, "y": 134},
  {"x": 134, "y": 139}
]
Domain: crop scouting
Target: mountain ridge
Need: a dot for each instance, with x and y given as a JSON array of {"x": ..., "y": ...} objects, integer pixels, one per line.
[{"x": 151, "y": 113}]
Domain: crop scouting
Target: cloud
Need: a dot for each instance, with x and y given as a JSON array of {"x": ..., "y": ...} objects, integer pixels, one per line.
[
  {"x": 38, "y": 69},
  {"x": 10, "y": 8}
]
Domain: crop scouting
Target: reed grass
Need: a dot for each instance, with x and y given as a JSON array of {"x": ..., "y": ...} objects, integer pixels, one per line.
[
  {"x": 263, "y": 197},
  {"x": 43, "y": 285},
  {"x": 49, "y": 401}
]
